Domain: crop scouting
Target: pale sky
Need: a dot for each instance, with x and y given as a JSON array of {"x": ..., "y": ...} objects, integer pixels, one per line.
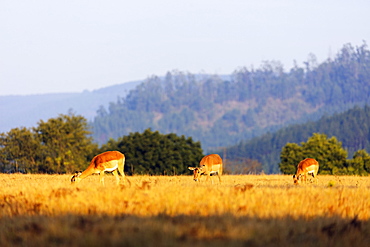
[{"x": 74, "y": 45}]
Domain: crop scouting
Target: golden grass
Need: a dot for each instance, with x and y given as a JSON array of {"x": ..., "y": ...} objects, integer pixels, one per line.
[{"x": 263, "y": 210}]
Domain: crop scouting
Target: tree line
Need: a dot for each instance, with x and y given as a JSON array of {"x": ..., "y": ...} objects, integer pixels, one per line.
[{"x": 64, "y": 145}]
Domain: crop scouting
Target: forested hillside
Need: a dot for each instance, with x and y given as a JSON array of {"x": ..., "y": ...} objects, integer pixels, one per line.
[
  {"x": 220, "y": 112},
  {"x": 351, "y": 128}
]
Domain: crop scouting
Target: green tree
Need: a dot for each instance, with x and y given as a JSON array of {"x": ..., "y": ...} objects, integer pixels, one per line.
[
  {"x": 19, "y": 151},
  {"x": 360, "y": 164},
  {"x": 328, "y": 152},
  {"x": 157, "y": 154},
  {"x": 290, "y": 156},
  {"x": 65, "y": 143}
]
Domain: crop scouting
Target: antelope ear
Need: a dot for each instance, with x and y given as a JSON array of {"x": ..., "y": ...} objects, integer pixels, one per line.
[
  {"x": 191, "y": 168},
  {"x": 77, "y": 173}
]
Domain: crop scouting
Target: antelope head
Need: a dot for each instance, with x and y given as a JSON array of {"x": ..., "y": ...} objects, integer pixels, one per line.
[
  {"x": 197, "y": 171},
  {"x": 296, "y": 178},
  {"x": 76, "y": 177}
]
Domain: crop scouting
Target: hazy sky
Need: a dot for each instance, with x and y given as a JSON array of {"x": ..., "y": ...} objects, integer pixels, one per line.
[{"x": 73, "y": 45}]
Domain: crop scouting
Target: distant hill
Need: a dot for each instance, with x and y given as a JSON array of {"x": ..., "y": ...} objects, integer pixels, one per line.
[
  {"x": 222, "y": 111},
  {"x": 352, "y": 128},
  {"x": 26, "y": 111}
]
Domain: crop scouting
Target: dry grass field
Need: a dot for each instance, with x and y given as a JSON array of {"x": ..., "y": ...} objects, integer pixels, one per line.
[{"x": 248, "y": 210}]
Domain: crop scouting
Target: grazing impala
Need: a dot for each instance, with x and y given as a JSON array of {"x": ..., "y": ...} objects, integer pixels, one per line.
[
  {"x": 305, "y": 167},
  {"x": 210, "y": 164},
  {"x": 110, "y": 161}
]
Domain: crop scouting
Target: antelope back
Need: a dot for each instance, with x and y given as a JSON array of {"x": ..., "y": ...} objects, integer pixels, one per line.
[
  {"x": 307, "y": 165},
  {"x": 211, "y": 162}
]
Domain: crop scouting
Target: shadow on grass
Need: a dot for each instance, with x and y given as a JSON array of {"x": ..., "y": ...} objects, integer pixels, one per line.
[{"x": 183, "y": 230}]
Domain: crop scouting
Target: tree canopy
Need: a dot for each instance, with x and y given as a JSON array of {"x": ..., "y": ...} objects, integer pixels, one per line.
[
  {"x": 156, "y": 154},
  {"x": 328, "y": 152},
  {"x": 59, "y": 145}
]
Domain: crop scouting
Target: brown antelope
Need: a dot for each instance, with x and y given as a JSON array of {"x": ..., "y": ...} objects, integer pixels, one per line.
[
  {"x": 305, "y": 167},
  {"x": 210, "y": 164},
  {"x": 110, "y": 161}
]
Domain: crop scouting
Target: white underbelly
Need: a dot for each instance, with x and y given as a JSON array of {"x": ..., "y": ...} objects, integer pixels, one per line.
[
  {"x": 215, "y": 169},
  {"x": 110, "y": 169},
  {"x": 311, "y": 169},
  {"x": 110, "y": 166}
]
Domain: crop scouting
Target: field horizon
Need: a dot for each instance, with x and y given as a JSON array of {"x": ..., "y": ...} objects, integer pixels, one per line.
[{"x": 244, "y": 210}]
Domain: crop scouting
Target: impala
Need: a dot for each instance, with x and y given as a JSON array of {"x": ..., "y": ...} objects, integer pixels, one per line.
[
  {"x": 305, "y": 167},
  {"x": 210, "y": 164},
  {"x": 110, "y": 161}
]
